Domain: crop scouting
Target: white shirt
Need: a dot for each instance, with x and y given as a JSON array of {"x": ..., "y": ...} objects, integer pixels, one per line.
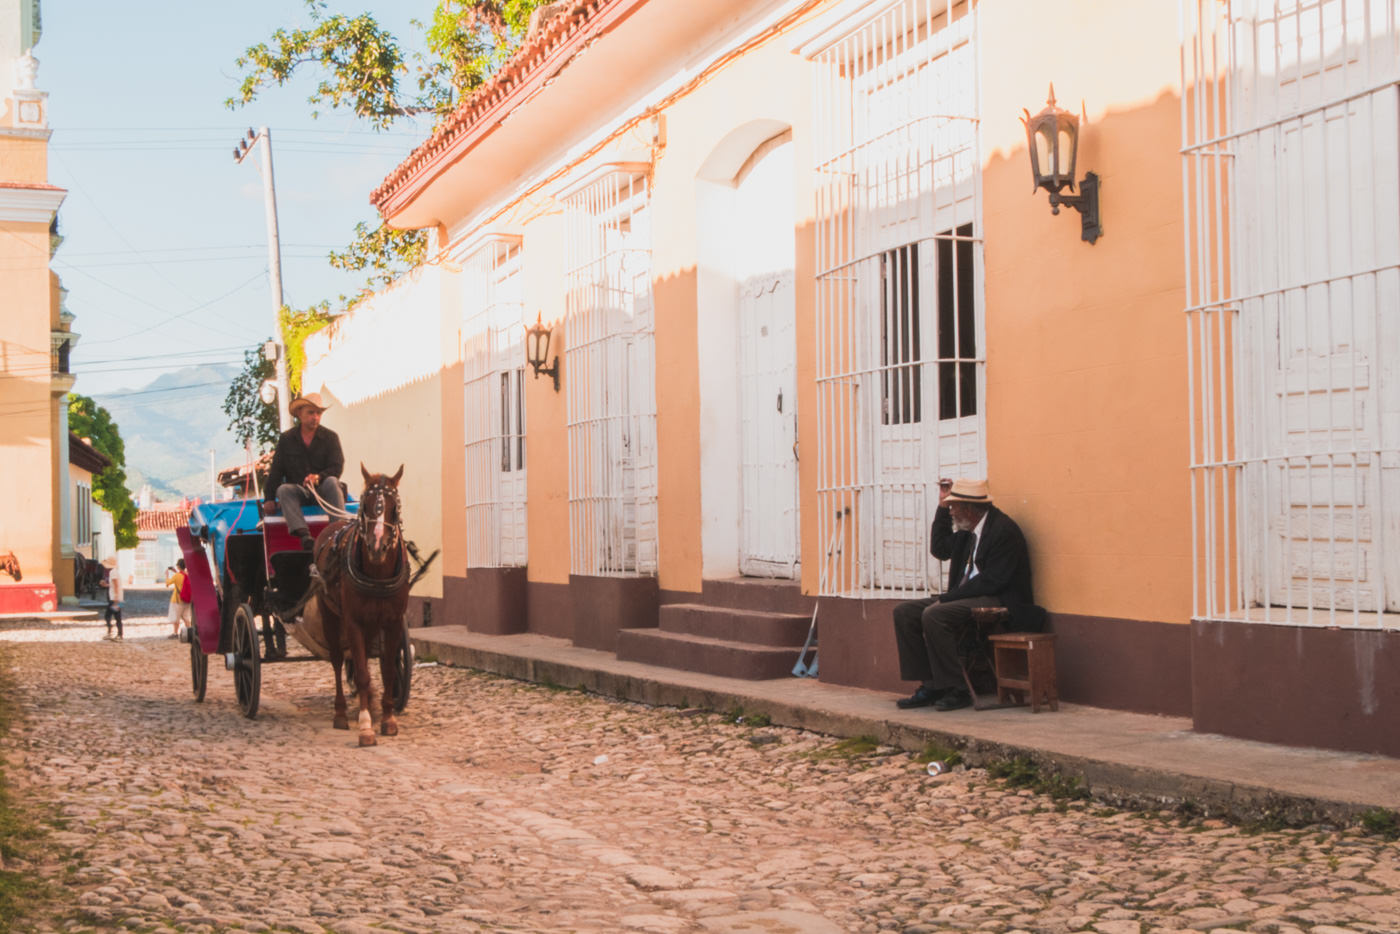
[{"x": 976, "y": 540}]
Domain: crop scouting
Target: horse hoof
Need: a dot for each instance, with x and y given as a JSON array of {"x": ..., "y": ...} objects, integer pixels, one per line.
[
  {"x": 389, "y": 729},
  {"x": 340, "y": 723},
  {"x": 367, "y": 739}
]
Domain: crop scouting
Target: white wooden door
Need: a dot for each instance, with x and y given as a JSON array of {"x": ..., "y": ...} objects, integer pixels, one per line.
[
  {"x": 768, "y": 444},
  {"x": 1317, "y": 239}
]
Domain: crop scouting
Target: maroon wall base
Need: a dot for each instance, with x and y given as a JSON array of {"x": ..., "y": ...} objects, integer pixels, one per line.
[
  {"x": 549, "y": 609},
  {"x": 495, "y": 600},
  {"x": 1125, "y": 664},
  {"x": 1120, "y": 663},
  {"x": 454, "y": 603},
  {"x": 604, "y": 605},
  {"x": 423, "y": 611},
  {"x": 856, "y": 647},
  {"x": 1330, "y": 688}
]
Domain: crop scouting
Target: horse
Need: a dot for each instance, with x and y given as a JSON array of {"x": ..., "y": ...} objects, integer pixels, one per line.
[
  {"x": 363, "y": 566},
  {"x": 9, "y": 564}
]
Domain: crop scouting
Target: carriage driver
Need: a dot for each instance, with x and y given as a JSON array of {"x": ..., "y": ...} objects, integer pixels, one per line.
[{"x": 308, "y": 457}]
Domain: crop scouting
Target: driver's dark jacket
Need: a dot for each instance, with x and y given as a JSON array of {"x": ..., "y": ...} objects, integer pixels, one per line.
[{"x": 292, "y": 460}]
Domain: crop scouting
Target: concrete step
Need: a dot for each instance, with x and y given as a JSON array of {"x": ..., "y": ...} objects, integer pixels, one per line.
[
  {"x": 757, "y": 593},
  {"x": 734, "y": 625},
  {"x": 685, "y": 652}
]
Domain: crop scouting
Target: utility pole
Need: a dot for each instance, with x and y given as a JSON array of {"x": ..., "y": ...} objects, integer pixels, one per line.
[{"x": 274, "y": 263}]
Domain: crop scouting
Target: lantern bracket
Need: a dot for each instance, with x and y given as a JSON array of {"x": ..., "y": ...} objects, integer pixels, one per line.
[{"x": 1086, "y": 203}]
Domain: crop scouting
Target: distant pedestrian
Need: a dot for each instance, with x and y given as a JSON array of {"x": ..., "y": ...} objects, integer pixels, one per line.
[
  {"x": 179, "y": 584},
  {"x": 115, "y": 594}
]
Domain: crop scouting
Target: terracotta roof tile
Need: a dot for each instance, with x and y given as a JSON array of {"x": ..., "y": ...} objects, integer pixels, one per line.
[{"x": 532, "y": 54}]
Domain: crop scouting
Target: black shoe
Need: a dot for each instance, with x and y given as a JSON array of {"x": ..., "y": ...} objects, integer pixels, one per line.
[
  {"x": 955, "y": 699},
  {"x": 307, "y": 542},
  {"x": 923, "y": 697}
]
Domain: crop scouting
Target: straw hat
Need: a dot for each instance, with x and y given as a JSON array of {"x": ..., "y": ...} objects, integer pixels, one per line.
[
  {"x": 312, "y": 400},
  {"x": 969, "y": 491},
  {"x": 110, "y": 561}
]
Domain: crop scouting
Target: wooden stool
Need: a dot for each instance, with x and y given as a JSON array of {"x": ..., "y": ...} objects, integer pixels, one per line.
[{"x": 1025, "y": 664}]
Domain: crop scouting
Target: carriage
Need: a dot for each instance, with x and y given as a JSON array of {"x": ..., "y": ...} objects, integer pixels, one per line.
[{"x": 250, "y": 584}]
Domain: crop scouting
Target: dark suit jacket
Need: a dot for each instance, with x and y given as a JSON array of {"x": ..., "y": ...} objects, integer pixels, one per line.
[
  {"x": 1003, "y": 565},
  {"x": 292, "y": 460}
]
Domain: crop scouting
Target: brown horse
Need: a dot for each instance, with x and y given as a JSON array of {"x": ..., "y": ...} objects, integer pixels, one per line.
[
  {"x": 365, "y": 581},
  {"x": 9, "y": 564}
]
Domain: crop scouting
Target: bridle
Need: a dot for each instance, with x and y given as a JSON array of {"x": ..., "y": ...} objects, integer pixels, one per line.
[{"x": 378, "y": 531}]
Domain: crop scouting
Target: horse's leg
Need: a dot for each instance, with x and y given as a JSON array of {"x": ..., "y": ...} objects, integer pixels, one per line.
[
  {"x": 362, "y": 686},
  {"x": 389, "y": 678},
  {"x": 330, "y": 626}
]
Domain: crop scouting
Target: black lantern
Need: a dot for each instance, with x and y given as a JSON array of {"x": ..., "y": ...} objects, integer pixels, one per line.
[
  {"x": 1052, "y": 137},
  {"x": 537, "y": 350}
]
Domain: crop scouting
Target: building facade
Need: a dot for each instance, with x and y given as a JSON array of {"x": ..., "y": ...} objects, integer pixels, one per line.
[
  {"x": 35, "y": 333},
  {"x": 791, "y": 276}
]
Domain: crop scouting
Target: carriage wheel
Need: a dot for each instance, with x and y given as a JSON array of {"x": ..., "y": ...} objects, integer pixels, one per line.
[
  {"x": 247, "y": 672},
  {"x": 407, "y": 654},
  {"x": 199, "y": 668}
]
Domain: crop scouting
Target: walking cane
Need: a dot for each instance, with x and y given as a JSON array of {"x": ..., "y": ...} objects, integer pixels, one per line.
[{"x": 803, "y": 668}]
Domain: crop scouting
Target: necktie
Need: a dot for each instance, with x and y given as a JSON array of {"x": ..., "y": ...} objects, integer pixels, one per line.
[{"x": 970, "y": 571}]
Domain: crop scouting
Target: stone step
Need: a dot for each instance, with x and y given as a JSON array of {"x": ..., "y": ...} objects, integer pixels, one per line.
[
  {"x": 734, "y": 625},
  {"x": 756, "y": 593},
  {"x": 686, "y": 652}
]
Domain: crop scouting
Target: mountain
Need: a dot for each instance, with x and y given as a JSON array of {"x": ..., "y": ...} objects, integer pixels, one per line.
[{"x": 170, "y": 425}]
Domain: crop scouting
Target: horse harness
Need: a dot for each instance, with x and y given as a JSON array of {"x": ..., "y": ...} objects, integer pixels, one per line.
[{"x": 343, "y": 543}]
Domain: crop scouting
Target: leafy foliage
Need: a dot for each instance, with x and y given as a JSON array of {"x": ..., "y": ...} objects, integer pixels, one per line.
[
  {"x": 389, "y": 252},
  {"x": 363, "y": 67},
  {"x": 251, "y": 419},
  {"x": 297, "y": 326},
  {"x": 89, "y": 420}
]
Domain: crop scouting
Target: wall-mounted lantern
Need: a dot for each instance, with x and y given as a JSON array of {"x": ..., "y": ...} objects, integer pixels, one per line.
[
  {"x": 537, "y": 338},
  {"x": 1053, "y": 141}
]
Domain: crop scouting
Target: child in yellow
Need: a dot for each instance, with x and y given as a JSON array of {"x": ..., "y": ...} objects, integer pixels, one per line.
[{"x": 179, "y": 614}]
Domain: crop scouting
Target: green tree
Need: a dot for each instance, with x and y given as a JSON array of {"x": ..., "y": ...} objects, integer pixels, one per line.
[
  {"x": 87, "y": 419},
  {"x": 361, "y": 67},
  {"x": 251, "y": 419}
]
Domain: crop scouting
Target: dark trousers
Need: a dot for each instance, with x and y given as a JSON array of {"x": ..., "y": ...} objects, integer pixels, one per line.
[
  {"x": 927, "y": 633},
  {"x": 291, "y": 497},
  {"x": 114, "y": 611}
]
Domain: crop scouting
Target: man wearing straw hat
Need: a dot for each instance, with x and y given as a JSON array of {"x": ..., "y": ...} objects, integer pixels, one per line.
[
  {"x": 988, "y": 566},
  {"x": 308, "y": 460}
]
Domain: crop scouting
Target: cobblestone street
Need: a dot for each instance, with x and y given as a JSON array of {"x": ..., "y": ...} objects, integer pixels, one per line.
[{"x": 508, "y": 806}]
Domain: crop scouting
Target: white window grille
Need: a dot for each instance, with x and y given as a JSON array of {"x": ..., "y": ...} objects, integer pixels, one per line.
[
  {"x": 1292, "y": 191},
  {"x": 82, "y": 513},
  {"x": 609, "y": 374},
  {"x": 900, "y": 358},
  {"x": 493, "y": 361}
]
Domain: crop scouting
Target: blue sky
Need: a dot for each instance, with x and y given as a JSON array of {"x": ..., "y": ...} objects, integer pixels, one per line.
[{"x": 165, "y": 253}]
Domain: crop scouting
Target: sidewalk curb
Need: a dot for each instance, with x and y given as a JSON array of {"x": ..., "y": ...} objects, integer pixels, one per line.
[{"x": 1114, "y": 783}]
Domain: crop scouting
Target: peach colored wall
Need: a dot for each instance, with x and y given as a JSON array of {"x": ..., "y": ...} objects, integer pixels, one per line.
[
  {"x": 24, "y": 160},
  {"x": 546, "y": 414},
  {"x": 454, "y": 495},
  {"x": 1086, "y": 364},
  {"x": 26, "y": 444}
]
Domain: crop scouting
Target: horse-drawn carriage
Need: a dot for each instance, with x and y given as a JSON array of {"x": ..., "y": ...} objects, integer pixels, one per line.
[{"x": 252, "y": 585}]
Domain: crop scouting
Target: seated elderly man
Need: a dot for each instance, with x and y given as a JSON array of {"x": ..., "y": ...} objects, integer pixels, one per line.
[
  {"x": 308, "y": 458},
  {"x": 989, "y": 566}
]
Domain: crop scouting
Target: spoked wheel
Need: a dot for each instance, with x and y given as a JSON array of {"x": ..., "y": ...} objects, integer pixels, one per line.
[
  {"x": 199, "y": 668},
  {"x": 247, "y": 670},
  {"x": 407, "y": 654}
]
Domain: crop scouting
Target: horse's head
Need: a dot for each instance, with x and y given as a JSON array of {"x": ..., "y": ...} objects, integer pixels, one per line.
[
  {"x": 379, "y": 519},
  {"x": 10, "y": 565}
]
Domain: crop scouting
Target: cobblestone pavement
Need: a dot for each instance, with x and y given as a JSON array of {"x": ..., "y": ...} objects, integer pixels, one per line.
[{"x": 503, "y": 806}]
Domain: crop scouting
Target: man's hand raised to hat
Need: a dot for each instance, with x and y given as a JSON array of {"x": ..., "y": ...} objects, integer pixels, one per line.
[{"x": 944, "y": 486}]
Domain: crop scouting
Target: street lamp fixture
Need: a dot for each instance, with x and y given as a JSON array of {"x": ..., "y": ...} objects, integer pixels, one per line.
[
  {"x": 537, "y": 337},
  {"x": 1053, "y": 143}
]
